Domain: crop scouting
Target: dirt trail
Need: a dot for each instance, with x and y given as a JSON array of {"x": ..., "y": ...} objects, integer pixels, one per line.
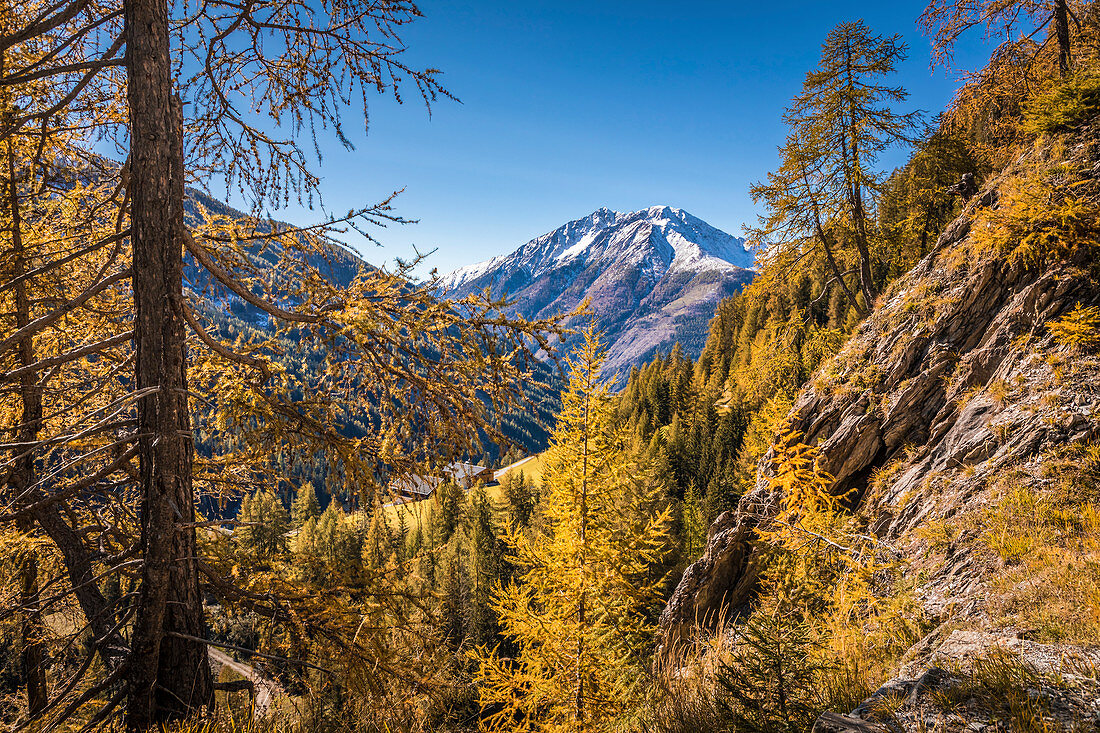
[{"x": 267, "y": 689}]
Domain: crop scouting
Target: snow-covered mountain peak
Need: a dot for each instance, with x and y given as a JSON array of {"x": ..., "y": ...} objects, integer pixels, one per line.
[
  {"x": 657, "y": 238},
  {"x": 653, "y": 277}
]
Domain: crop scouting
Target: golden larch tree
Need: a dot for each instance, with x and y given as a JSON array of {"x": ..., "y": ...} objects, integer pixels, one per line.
[{"x": 579, "y": 613}]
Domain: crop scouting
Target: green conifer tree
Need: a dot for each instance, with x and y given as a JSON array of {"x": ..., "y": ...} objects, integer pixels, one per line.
[
  {"x": 519, "y": 492},
  {"x": 694, "y": 523},
  {"x": 455, "y": 599},
  {"x": 824, "y": 193},
  {"x": 401, "y": 537},
  {"x": 450, "y": 499},
  {"x": 264, "y": 524},
  {"x": 772, "y": 682},
  {"x": 489, "y": 568}
]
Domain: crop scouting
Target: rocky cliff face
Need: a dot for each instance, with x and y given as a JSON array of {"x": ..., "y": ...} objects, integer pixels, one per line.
[{"x": 954, "y": 382}]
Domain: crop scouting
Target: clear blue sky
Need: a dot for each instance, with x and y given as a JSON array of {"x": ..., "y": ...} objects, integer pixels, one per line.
[{"x": 569, "y": 106}]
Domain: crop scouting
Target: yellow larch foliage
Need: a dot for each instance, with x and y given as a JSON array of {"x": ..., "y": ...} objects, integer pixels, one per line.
[
  {"x": 580, "y": 614},
  {"x": 1078, "y": 329}
]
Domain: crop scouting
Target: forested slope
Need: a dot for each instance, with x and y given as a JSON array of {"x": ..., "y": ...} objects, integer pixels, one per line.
[
  {"x": 882, "y": 466},
  {"x": 931, "y": 496}
]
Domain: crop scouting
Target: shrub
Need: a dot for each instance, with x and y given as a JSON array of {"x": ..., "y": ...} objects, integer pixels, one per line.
[
  {"x": 1042, "y": 218},
  {"x": 772, "y": 683},
  {"x": 1066, "y": 106},
  {"x": 1079, "y": 329}
]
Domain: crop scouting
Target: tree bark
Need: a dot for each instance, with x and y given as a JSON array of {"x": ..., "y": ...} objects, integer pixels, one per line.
[
  {"x": 854, "y": 172},
  {"x": 81, "y": 572},
  {"x": 32, "y": 631},
  {"x": 169, "y": 677},
  {"x": 866, "y": 277},
  {"x": 22, "y": 473},
  {"x": 824, "y": 239},
  {"x": 579, "y": 711},
  {"x": 1061, "y": 31}
]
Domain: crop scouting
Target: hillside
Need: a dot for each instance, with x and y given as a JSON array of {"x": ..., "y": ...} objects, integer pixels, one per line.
[
  {"x": 849, "y": 484},
  {"x": 958, "y": 426},
  {"x": 340, "y": 264},
  {"x": 653, "y": 278},
  {"x": 232, "y": 317}
]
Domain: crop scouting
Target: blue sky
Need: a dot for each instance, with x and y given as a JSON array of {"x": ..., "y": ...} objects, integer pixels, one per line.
[{"x": 569, "y": 106}]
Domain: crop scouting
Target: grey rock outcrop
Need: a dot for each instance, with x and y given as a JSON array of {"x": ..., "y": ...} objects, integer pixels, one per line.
[
  {"x": 1058, "y": 680},
  {"x": 948, "y": 381},
  {"x": 725, "y": 573}
]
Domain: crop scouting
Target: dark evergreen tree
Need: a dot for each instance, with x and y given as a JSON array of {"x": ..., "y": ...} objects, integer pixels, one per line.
[
  {"x": 453, "y": 610},
  {"x": 489, "y": 569},
  {"x": 772, "y": 682},
  {"x": 519, "y": 493},
  {"x": 449, "y": 498},
  {"x": 263, "y": 526}
]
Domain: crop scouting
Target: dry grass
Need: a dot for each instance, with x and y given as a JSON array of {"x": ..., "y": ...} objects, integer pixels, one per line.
[
  {"x": 1001, "y": 684},
  {"x": 998, "y": 391},
  {"x": 227, "y": 723},
  {"x": 683, "y": 697},
  {"x": 940, "y": 534},
  {"x": 531, "y": 468},
  {"x": 1045, "y": 530}
]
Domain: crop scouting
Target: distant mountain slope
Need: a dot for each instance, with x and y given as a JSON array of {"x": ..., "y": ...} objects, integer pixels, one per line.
[
  {"x": 230, "y": 315},
  {"x": 654, "y": 277},
  {"x": 340, "y": 266}
]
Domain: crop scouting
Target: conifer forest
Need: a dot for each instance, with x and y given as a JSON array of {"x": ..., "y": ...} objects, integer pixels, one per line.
[{"x": 840, "y": 474}]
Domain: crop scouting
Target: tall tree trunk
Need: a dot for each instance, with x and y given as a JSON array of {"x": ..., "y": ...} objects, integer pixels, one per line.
[
  {"x": 854, "y": 173},
  {"x": 924, "y": 230},
  {"x": 22, "y": 473},
  {"x": 579, "y": 712},
  {"x": 32, "y": 630},
  {"x": 858, "y": 215},
  {"x": 1061, "y": 31},
  {"x": 823, "y": 237},
  {"x": 866, "y": 278},
  {"x": 168, "y": 676},
  {"x": 831, "y": 260},
  {"x": 82, "y": 578}
]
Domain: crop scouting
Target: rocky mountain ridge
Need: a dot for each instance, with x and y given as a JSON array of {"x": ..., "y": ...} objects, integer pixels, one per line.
[{"x": 653, "y": 277}]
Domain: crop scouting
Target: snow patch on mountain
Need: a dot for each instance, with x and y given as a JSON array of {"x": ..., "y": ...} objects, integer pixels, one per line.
[
  {"x": 653, "y": 276},
  {"x": 665, "y": 236},
  {"x": 577, "y": 249}
]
